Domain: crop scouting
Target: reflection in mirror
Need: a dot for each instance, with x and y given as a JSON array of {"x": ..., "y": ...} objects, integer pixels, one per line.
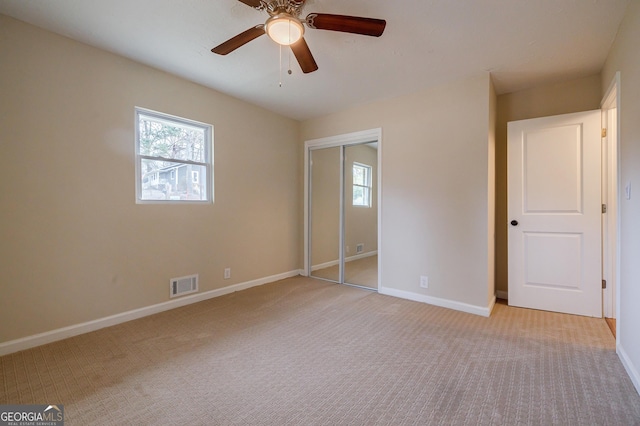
[
  {"x": 324, "y": 249},
  {"x": 361, "y": 215}
]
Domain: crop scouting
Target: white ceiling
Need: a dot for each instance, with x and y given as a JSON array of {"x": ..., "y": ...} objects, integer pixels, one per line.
[{"x": 523, "y": 43}]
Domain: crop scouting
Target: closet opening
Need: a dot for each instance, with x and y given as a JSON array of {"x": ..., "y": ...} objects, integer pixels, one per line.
[{"x": 342, "y": 206}]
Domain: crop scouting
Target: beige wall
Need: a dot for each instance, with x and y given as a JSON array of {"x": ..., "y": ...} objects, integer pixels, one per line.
[
  {"x": 435, "y": 209},
  {"x": 571, "y": 96},
  {"x": 625, "y": 58},
  {"x": 74, "y": 246}
]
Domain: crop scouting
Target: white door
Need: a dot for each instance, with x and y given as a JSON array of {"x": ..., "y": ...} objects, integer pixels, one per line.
[{"x": 555, "y": 212}]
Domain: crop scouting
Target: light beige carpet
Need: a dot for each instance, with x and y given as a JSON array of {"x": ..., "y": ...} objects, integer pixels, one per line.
[{"x": 304, "y": 351}]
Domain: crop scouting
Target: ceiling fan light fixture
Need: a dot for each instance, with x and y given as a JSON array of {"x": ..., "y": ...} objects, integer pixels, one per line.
[{"x": 284, "y": 29}]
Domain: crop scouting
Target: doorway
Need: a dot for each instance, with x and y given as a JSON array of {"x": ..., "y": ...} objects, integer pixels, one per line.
[
  {"x": 554, "y": 205},
  {"x": 606, "y": 281},
  {"x": 342, "y": 205}
]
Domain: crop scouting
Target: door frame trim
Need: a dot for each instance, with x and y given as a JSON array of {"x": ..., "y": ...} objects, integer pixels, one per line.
[
  {"x": 354, "y": 138},
  {"x": 611, "y": 262}
]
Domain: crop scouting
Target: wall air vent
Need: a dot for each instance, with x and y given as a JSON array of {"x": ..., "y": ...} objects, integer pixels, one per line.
[
  {"x": 359, "y": 248},
  {"x": 183, "y": 285}
]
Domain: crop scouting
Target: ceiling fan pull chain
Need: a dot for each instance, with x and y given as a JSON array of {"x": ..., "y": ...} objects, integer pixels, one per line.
[
  {"x": 289, "y": 51},
  {"x": 280, "y": 66}
]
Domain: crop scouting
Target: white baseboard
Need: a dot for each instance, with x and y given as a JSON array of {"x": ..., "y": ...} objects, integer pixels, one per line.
[
  {"x": 361, "y": 256},
  {"x": 347, "y": 259},
  {"x": 325, "y": 265},
  {"x": 628, "y": 365},
  {"x": 444, "y": 303},
  {"x": 502, "y": 294},
  {"x": 75, "y": 330}
]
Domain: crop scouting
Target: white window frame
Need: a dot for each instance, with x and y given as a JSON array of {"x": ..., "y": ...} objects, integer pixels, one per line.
[
  {"x": 208, "y": 155},
  {"x": 367, "y": 187}
]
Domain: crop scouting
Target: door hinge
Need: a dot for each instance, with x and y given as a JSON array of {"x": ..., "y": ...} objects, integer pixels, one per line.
[
  {"x": 604, "y": 208},
  {"x": 604, "y": 283},
  {"x": 604, "y": 133}
]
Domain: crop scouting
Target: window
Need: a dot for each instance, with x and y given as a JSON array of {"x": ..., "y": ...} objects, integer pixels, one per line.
[
  {"x": 361, "y": 185},
  {"x": 173, "y": 159}
]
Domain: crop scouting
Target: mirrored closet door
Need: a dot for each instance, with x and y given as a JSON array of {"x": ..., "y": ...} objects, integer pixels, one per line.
[
  {"x": 343, "y": 213},
  {"x": 361, "y": 215},
  {"x": 324, "y": 185}
]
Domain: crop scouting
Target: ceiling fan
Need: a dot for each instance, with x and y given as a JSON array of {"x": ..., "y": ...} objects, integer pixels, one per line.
[{"x": 285, "y": 27}]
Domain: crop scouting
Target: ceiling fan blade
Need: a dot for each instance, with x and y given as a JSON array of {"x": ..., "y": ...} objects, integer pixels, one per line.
[
  {"x": 239, "y": 40},
  {"x": 303, "y": 55},
  {"x": 347, "y": 24},
  {"x": 253, "y": 3}
]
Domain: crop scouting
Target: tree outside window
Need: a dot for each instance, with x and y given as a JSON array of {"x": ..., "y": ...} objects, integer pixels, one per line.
[{"x": 173, "y": 158}]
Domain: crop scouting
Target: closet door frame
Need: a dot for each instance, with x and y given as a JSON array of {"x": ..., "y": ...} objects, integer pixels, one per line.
[{"x": 355, "y": 138}]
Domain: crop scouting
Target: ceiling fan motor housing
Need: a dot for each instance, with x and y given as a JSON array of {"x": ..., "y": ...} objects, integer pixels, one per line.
[{"x": 291, "y": 7}]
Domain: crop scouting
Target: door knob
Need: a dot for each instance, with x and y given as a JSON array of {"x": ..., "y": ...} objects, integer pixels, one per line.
[{"x": 514, "y": 222}]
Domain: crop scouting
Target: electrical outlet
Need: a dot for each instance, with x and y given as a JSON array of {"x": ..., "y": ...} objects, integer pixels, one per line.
[
  {"x": 424, "y": 281},
  {"x": 227, "y": 273}
]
